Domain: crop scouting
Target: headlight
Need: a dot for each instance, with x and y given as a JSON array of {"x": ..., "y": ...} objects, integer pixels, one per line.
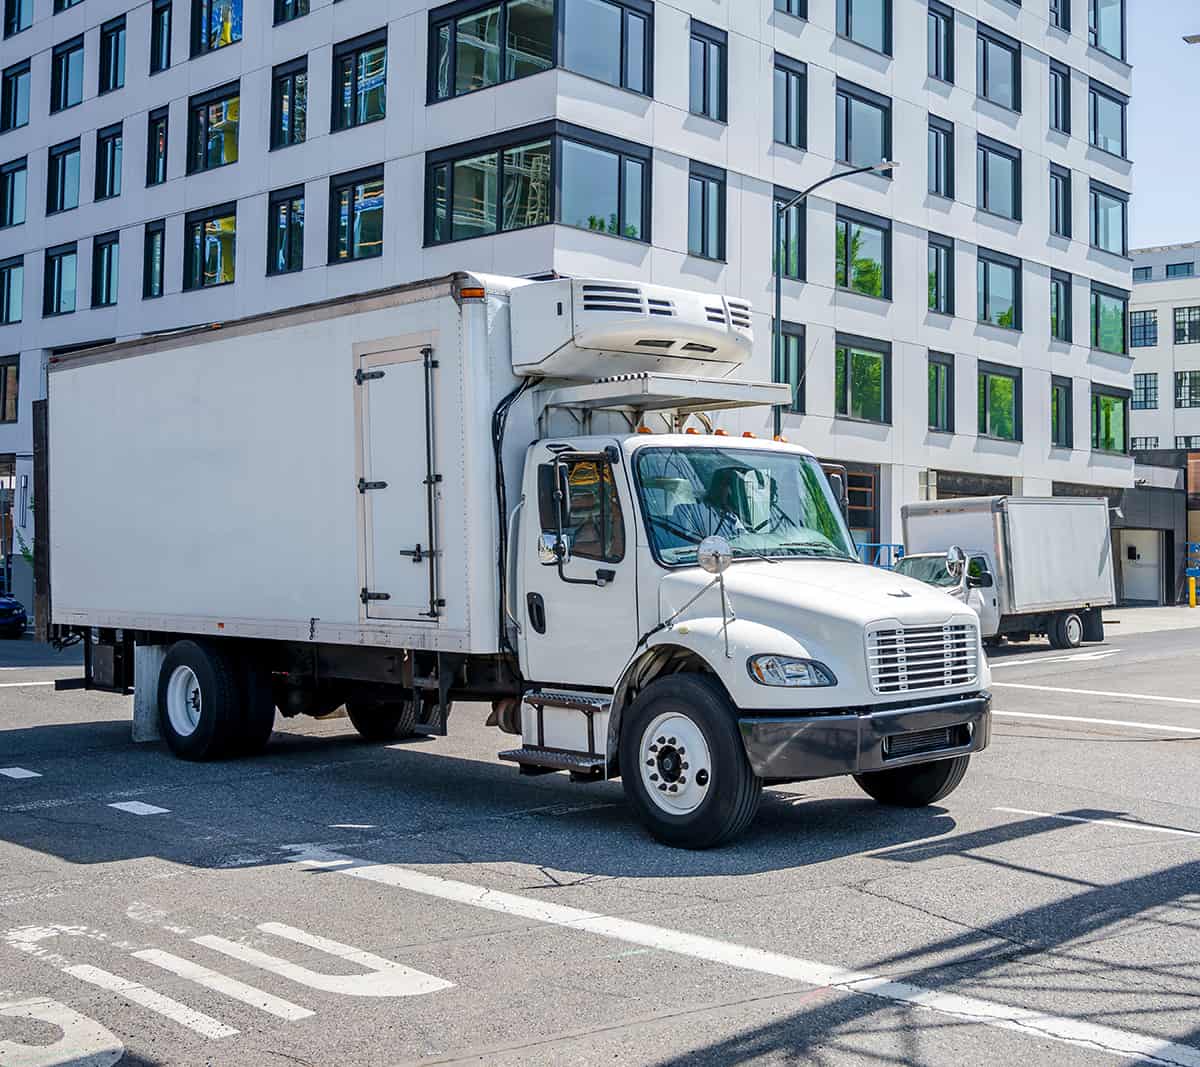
[{"x": 789, "y": 671}]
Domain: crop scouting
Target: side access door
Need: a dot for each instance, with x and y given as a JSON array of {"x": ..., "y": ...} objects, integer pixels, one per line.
[
  {"x": 578, "y": 609},
  {"x": 398, "y": 485}
]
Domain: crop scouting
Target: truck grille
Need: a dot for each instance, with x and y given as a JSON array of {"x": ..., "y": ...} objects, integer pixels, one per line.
[
  {"x": 902, "y": 745},
  {"x": 914, "y": 658}
]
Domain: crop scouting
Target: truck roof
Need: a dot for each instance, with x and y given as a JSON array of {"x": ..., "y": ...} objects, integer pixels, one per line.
[{"x": 958, "y": 505}]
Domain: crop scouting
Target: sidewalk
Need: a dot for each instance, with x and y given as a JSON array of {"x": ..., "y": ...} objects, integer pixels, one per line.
[{"x": 1147, "y": 620}]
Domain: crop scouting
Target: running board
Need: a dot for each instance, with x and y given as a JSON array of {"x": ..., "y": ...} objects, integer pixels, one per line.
[
  {"x": 588, "y": 703},
  {"x": 535, "y": 760}
]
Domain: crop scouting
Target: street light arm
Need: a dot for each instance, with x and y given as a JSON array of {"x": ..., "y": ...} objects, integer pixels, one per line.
[{"x": 783, "y": 208}]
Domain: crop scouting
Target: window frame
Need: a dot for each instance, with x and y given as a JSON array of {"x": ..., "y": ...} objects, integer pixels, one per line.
[
  {"x": 790, "y": 69},
  {"x": 844, "y": 23},
  {"x": 1097, "y": 89},
  {"x": 158, "y": 117},
  {"x": 53, "y": 176},
  {"x": 1185, "y": 322},
  {"x": 1062, "y": 73},
  {"x": 780, "y": 196},
  {"x": 200, "y": 217},
  {"x": 991, "y": 258},
  {"x": 10, "y": 403},
  {"x": 852, "y": 216},
  {"x": 643, "y": 9},
  {"x": 944, "y": 360},
  {"x": 7, "y": 266},
  {"x": 610, "y": 499},
  {"x": 198, "y": 125},
  {"x": 1148, "y": 331},
  {"x": 348, "y": 180},
  {"x": 1143, "y": 274},
  {"x": 52, "y": 256},
  {"x": 943, "y": 128},
  {"x": 281, "y": 16},
  {"x": 1173, "y": 270},
  {"x": 851, "y": 341},
  {"x": 1100, "y": 289},
  {"x": 1062, "y": 175},
  {"x": 13, "y": 167},
  {"x": 112, "y": 71},
  {"x": 987, "y": 146},
  {"x": 15, "y": 13},
  {"x": 801, "y": 7},
  {"x": 59, "y": 95},
  {"x": 102, "y": 245},
  {"x": 1094, "y": 31},
  {"x": 156, "y": 228},
  {"x": 1148, "y": 443},
  {"x": 1096, "y": 190},
  {"x": 849, "y": 91},
  {"x": 201, "y": 16},
  {"x": 944, "y": 245},
  {"x": 111, "y": 189},
  {"x": 986, "y": 370},
  {"x": 160, "y": 59},
  {"x": 10, "y": 80},
  {"x": 714, "y": 41},
  {"x": 1145, "y": 391},
  {"x": 986, "y": 35},
  {"x": 278, "y": 197},
  {"x": 353, "y": 49},
  {"x": 284, "y": 86},
  {"x": 1112, "y": 392},
  {"x": 781, "y": 366},
  {"x": 1065, "y": 283},
  {"x": 1060, "y": 15},
  {"x": 708, "y": 176},
  {"x": 1065, "y": 385},
  {"x": 944, "y": 16},
  {"x": 1187, "y": 389}
]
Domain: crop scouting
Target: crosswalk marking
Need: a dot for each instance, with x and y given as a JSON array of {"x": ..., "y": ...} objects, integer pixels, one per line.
[
  {"x": 136, "y": 807},
  {"x": 136, "y": 993},
  {"x": 219, "y": 983},
  {"x": 18, "y": 772},
  {"x": 84, "y": 1042}
]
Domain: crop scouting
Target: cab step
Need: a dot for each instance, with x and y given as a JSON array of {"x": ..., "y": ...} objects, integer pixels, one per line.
[
  {"x": 535, "y": 760},
  {"x": 588, "y": 703}
]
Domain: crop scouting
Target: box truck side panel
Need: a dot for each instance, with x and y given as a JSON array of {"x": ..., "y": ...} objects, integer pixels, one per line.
[
  {"x": 1060, "y": 553},
  {"x": 929, "y": 531}
]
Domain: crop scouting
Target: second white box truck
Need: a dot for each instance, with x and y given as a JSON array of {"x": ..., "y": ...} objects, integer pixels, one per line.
[{"x": 479, "y": 488}]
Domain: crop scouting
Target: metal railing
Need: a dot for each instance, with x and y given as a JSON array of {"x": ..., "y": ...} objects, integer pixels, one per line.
[{"x": 880, "y": 554}]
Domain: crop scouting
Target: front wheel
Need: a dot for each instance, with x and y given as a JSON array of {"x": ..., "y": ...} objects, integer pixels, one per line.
[
  {"x": 683, "y": 766},
  {"x": 917, "y": 785}
]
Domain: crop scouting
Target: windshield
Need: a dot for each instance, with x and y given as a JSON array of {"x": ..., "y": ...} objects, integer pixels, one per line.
[
  {"x": 775, "y": 504},
  {"x": 928, "y": 569}
]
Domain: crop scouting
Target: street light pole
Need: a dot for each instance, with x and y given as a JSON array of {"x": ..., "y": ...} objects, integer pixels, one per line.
[{"x": 781, "y": 210}]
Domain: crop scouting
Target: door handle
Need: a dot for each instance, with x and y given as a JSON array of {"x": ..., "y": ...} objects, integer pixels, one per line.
[{"x": 537, "y": 612}]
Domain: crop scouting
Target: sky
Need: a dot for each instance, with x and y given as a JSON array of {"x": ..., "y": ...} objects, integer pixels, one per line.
[{"x": 1164, "y": 120}]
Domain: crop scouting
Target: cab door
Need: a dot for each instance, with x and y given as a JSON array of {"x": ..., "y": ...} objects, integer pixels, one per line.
[
  {"x": 578, "y": 594},
  {"x": 982, "y": 594}
]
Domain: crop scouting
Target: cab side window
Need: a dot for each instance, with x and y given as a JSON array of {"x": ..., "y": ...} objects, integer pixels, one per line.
[{"x": 593, "y": 525}]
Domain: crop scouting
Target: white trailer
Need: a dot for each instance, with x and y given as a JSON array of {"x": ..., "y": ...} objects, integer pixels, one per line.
[
  {"x": 1035, "y": 565},
  {"x": 480, "y": 488}
]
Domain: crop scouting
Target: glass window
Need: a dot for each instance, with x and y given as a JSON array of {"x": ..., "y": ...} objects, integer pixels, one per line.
[
  {"x": 941, "y": 42},
  {"x": 286, "y": 10},
  {"x": 14, "y": 97},
  {"x": 1145, "y": 390},
  {"x": 1061, "y": 404},
  {"x": 862, "y": 382},
  {"x": 941, "y": 157},
  {"x": 108, "y": 162},
  {"x": 1060, "y": 15},
  {"x": 106, "y": 269},
  {"x": 941, "y": 392},
  {"x": 1143, "y": 329},
  {"x": 58, "y": 296},
  {"x": 215, "y": 24},
  {"x": 66, "y": 75},
  {"x": 604, "y": 191},
  {"x": 789, "y": 364},
  {"x": 10, "y": 370},
  {"x": 1110, "y": 422},
  {"x": 285, "y": 231},
  {"x": 706, "y": 212},
  {"x": 1060, "y": 98},
  {"x": 999, "y": 402},
  {"x": 610, "y": 41},
  {"x": 869, "y": 22},
  {"x": 998, "y": 178},
  {"x": 864, "y": 125},
  {"x": 1187, "y": 441},
  {"x": 289, "y": 104},
  {"x": 1060, "y": 306},
  {"x": 1187, "y": 326},
  {"x": 999, "y": 290},
  {"x": 475, "y": 50},
  {"x": 998, "y": 69},
  {"x": 1106, "y": 26},
  {"x": 13, "y": 186},
  {"x": 1060, "y": 201},
  {"x": 12, "y": 290},
  {"x": 1110, "y": 209},
  {"x": 593, "y": 526},
  {"x": 112, "y": 55},
  {"x": 791, "y": 103},
  {"x": 160, "y": 36},
  {"x": 708, "y": 88},
  {"x": 1143, "y": 444},
  {"x": 1143, "y": 274},
  {"x": 1109, "y": 308},
  {"x": 1187, "y": 389},
  {"x": 18, "y": 16},
  {"x": 1106, "y": 125},
  {"x": 792, "y": 227},
  {"x": 64, "y": 5},
  {"x": 941, "y": 274},
  {"x": 799, "y": 8},
  {"x": 156, "y": 147},
  {"x": 863, "y": 253},
  {"x": 62, "y": 178},
  {"x": 213, "y": 121},
  {"x": 154, "y": 259},
  {"x": 356, "y": 216},
  {"x": 360, "y": 81},
  {"x": 1180, "y": 270},
  {"x": 210, "y": 252}
]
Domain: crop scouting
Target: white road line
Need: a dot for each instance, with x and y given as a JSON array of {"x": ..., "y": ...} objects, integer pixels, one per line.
[
  {"x": 1021, "y": 1020},
  {"x": 1097, "y": 693},
  {"x": 18, "y": 772},
  {"x": 83, "y": 1041},
  {"x": 1119, "y": 823},
  {"x": 1153, "y": 727},
  {"x": 147, "y": 998},
  {"x": 136, "y": 807},
  {"x": 219, "y": 983},
  {"x": 22, "y": 685},
  {"x": 1085, "y": 657}
]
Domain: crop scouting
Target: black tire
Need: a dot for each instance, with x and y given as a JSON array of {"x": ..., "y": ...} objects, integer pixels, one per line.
[
  {"x": 731, "y": 803},
  {"x": 258, "y": 710},
  {"x": 382, "y": 720},
  {"x": 1093, "y": 625},
  {"x": 217, "y": 728},
  {"x": 917, "y": 785},
  {"x": 1066, "y": 630}
]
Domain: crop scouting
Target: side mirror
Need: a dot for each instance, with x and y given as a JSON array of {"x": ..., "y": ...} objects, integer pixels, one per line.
[
  {"x": 838, "y": 484},
  {"x": 549, "y": 551},
  {"x": 715, "y": 555},
  {"x": 956, "y": 562}
]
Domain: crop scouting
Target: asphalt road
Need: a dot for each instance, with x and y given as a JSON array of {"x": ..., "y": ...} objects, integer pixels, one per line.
[{"x": 337, "y": 903}]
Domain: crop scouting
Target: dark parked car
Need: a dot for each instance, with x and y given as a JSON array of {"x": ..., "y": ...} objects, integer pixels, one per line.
[{"x": 12, "y": 617}]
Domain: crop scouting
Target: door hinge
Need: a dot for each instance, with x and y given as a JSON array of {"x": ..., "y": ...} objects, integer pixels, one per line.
[
  {"x": 361, "y": 376},
  {"x": 418, "y": 554},
  {"x": 366, "y": 596},
  {"x": 364, "y": 486}
]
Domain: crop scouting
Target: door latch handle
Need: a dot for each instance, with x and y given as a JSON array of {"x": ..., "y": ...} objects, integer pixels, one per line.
[{"x": 605, "y": 577}]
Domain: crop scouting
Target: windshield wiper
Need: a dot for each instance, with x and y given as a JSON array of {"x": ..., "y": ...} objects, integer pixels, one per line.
[
  {"x": 819, "y": 550},
  {"x": 751, "y": 552},
  {"x": 679, "y": 531}
]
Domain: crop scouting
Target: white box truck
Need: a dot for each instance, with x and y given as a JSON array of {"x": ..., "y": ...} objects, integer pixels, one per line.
[
  {"x": 481, "y": 488},
  {"x": 1034, "y": 565}
]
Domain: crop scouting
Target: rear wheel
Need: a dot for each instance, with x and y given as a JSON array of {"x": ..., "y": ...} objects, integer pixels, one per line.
[
  {"x": 683, "y": 767},
  {"x": 382, "y": 720},
  {"x": 917, "y": 785},
  {"x": 1066, "y": 630},
  {"x": 199, "y": 701}
]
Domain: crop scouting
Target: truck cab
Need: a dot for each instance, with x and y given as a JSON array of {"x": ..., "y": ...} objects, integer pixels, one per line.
[{"x": 975, "y": 586}]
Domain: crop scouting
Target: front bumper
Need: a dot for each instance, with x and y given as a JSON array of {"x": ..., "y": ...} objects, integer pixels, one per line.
[{"x": 846, "y": 742}]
